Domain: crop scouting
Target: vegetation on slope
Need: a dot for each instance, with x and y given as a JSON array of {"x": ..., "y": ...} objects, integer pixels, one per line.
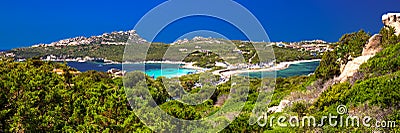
[
  {"x": 34, "y": 98},
  {"x": 348, "y": 47},
  {"x": 156, "y": 53},
  {"x": 373, "y": 91}
]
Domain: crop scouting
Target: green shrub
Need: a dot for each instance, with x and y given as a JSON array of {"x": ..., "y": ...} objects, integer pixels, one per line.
[{"x": 385, "y": 62}]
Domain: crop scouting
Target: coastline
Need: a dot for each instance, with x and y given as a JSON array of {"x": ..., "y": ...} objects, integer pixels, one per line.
[
  {"x": 191, "y": 66},
  {"x": 155, "y": 62},
  {"x": 186, "y": 65},
  {"x": 280, "y": 66},
  {"x": 224, "y": 73}
]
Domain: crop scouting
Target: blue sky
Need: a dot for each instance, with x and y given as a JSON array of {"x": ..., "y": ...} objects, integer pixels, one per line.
[{"x": 24, "y": 23}]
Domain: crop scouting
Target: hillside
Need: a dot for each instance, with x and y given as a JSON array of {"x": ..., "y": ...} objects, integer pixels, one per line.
[
  {"x": 34, "y": 97},
  {"x": 362, "y": 73},
  {"x": 111, "y": 46}
]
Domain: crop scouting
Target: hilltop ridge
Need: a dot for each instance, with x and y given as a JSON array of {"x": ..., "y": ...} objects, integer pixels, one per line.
[{"x": 113, "y": 38}]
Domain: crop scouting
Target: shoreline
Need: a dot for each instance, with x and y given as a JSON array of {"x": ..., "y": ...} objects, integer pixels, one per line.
[
  {"x": 155, "y": 62},
  {"x": 191, "y": 66},
  {"x": 280, "y": 66},
  {"x": 185, "y": 65},
  {"x": 225, "y": 73}
]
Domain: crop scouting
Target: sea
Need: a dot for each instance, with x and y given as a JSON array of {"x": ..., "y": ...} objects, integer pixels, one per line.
[
  {"x": 152, "y": 69},
  {"x": 304, "y": 68},
  {"x": 174, "y": 70}
]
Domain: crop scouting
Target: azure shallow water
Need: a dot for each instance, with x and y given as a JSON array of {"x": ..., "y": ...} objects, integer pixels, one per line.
[
  {"x": 298, "y": 69},
  {"x": 152, "y": 69},
  {"x": 174, "y": 70}
]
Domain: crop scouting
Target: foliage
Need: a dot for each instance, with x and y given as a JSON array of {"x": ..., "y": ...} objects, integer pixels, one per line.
[
  {"x": 378, "y": 85},
  {"x": 385, "y": 62},
  {"x": 286, "y": 54},
  {"x": 299, "y": 107},
  {"x": 35, "y": 99},
  {"x": 284, "y": 86},
  {"x": 328, "y": 67},
  {"x": 351, "y": 45},
  {"x": 348, "y": 47},
  {"x": 205, "y": 60},
  {"x": 156, "y": 52},
  {"x": 334, "y": 94},
  {"x": 382, "y": 91},
  {"x": 388, "y": 37},
  {"x": 110, "y": 52}
]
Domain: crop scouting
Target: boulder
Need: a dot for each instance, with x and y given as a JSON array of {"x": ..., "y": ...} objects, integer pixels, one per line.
[
  {"x": 373, "y": 46},
  {"x": 282, "y": 105},
  {"x": 392, "y": 20},
  {"x": 352, "y": 67},
  {"x": 370, "y": 49}
]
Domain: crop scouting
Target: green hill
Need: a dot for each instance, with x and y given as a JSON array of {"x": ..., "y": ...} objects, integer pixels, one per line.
[
  {"x": 156, "y": 53},
  {"x": 34, "y": 98}
]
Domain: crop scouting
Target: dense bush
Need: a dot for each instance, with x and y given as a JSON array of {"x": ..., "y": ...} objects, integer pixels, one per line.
[
  {"x": 35, "y": 99},
  {"x": 328, "y": 67},
  {"x": 351, "y": 45},
  {"x": 382, "y": 91},
  {"x": 388, "y": 37},
  {"x": 375, "y": 85},
  {"x": 334, "y": 94},
  {"x": 348, "y": 47},
  {"x": 385, "y": 62}
]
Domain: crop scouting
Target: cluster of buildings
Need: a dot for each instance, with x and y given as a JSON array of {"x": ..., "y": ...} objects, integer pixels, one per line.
[
  {"x": 251, "y": 66},
  {"x": 198, "y": 40},
  {"x": 313, "y": 46},
  {"x": 77, "y": 59},
  {"x": 114, "y": 38},
  {"x": 317, "y": 46},
  {"x": 11, "y": 55}
]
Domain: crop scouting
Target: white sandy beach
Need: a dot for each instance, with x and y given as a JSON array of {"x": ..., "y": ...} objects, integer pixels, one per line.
[
  {"x": 156, "y": 62},
  {"x": 226, "y": 72},
  {"x": 191, "y": 66}
]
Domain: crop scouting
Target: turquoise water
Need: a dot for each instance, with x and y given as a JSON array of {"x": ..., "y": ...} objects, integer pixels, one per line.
[
  {"x": 168, "y": 72},
  {"x": 174, "y": 70},
  {"x": 304, "y": 68},
  {"x": 154, "y": 70}
]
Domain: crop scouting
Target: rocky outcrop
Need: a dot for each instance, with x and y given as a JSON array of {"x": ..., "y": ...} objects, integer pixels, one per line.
[
  {"x": 282, "y": 105},
  {"x": 392, "y": 20},
  {"x": 348, "y": 70},
  {"x": 352, "y": 67},
  {"x": 371, "y": 48}
]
